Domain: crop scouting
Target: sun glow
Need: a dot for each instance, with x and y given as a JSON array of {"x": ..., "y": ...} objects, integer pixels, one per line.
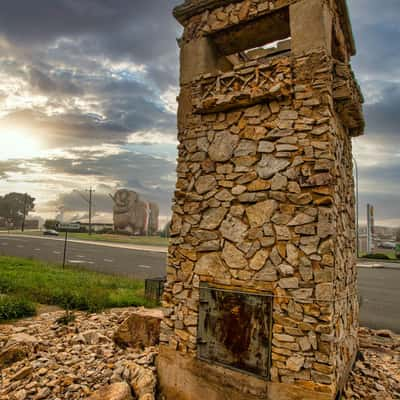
[{"x": 18, "y": 143}]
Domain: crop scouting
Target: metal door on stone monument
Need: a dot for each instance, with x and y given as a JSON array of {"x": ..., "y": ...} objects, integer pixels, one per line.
[{"x": 235, "y": 329}]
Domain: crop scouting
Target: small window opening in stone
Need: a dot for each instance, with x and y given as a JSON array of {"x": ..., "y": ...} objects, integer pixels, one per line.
[
  {"x": 262, "y": 37},
  {"x": 277, "y": 48}
]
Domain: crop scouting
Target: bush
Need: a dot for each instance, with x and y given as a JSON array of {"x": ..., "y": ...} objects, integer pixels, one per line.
[
  {"x": 12, "y": 307},
  {"x": 377, "y": 256}
]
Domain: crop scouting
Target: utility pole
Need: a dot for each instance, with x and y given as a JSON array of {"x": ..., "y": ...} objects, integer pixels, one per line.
[
  {"x": 90, "y": 203},
  {"x": 357, "y": 208},
  {"x": 24, "y": 216},
  {"x": 370, "y": 228},
  {"x": 90, "y": 210}
]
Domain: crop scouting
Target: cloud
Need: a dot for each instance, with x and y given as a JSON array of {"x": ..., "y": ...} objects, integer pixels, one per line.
[
  {"x": 383, "y": 117},
  {"x": 377, "y": 65},
  {"x": 78, "y": 169},
  {"x": 84, "y": 72},
  {"x": 96, "y": 81}
]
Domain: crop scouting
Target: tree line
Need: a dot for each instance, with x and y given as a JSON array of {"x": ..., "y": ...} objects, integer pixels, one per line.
[{"x": 15, "y": 207}]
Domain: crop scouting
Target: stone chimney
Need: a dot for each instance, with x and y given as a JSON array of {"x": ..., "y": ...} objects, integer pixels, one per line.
[{"x": 261, "y": 292}]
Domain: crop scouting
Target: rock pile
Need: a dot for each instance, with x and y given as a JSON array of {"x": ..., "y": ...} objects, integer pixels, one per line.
[
  {"x": 377, "y": 374},
  {"x": 42, "y": 359},
  {"x": 81, "y": 361}
]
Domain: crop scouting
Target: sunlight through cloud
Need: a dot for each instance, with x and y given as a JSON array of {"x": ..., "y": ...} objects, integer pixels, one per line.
[{"x": 18, "y": 143}]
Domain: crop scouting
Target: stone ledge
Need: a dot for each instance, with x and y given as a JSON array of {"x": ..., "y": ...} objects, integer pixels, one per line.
[
  {"x": 247, "y": 84},
  {"x": 348, "y": 99},
  {"x": 193, "y": 7}
]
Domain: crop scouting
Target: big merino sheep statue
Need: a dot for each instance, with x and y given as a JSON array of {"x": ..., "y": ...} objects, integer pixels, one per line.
[{"x": 133, "y": 215}]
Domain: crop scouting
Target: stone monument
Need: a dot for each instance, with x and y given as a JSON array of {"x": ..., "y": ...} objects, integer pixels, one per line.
[
  {"x": 261, "y": 292},
  {"x": 133, "y": 215}
]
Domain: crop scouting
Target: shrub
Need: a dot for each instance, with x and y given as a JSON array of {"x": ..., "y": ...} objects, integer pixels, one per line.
[
  {"x": 377, "y": 256},
  {"x": 12, "y": 307}
]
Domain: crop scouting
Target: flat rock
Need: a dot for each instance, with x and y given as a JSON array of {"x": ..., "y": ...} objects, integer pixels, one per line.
[
  {"x": 205, "y": 183},
  {"x": 222, "y": 147},
  {"x": 234, "y": 257},
  {"x": 233, "y": 229},
  {"x": 143, "y": 382},
  {"x": 13, "y": 353},
  {"x": 18, "y": 346},
  {"x": 261, "y": 213},
  {"x": 269, "y": 166},
  {"x": 141, "y": 329},
  {"x": 212, "y": 218},
  {"x": 211, "y": 264},
  {"x": 115, "y": 391}
]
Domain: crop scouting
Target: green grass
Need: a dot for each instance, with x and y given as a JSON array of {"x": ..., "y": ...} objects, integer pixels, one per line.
[
  {"x": 377, "y": 256},
  {"x": 14, "y": 307},
  {"x": 72, "y": 288},
  {"x": 139, "y": 240},
  {"x": 389, "y": 255}
]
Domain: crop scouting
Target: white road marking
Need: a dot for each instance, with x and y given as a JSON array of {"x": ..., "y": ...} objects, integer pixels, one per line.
[
  {"x": 108, "y": 260},
  {"x": 80, "y": 256},
  {"x": 37, "y": 249},
  {"x": 56, "y": 252},
  {"x": 144, "y": 266},
  {"x": 370, "y": 265},
  {"x": 80, "y": 262}
]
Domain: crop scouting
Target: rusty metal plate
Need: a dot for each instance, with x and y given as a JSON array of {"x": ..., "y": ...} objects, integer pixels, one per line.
[{"x": 235, "y": 329}]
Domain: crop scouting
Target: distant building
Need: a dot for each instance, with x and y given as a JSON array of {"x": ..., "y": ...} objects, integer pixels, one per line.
[{"x": 98, "y": 226}]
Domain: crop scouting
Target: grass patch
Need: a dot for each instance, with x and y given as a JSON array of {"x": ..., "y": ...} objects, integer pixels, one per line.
[
  {"x": 71, "y": 288},
  {"x": 14, "y": 307},
  {"x": 390, "y": 255},
  {"x": 377, "y": 256},
  {"x": 139, "y": 240}
]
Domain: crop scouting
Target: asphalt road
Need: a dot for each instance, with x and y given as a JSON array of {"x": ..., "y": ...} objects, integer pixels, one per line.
[
  {"x": 380, "y": 297},
  {"x": 379, "y": 288},
  {"x": 115, "y": 260}
]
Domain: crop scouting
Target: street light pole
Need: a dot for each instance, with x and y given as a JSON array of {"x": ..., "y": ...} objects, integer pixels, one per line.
[{"x": 357, "y": 208}]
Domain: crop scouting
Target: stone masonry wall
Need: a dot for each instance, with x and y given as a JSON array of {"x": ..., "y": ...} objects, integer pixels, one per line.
[{"x": 264, "y": 202}]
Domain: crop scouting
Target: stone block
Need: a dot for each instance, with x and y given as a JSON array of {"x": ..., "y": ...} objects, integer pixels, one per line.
[
  {"x": 200, "y": 57},
  {"x": 310, "y": 26},
  {"x": 115, "y": 391},
  {"x": 141, "y": 329}
]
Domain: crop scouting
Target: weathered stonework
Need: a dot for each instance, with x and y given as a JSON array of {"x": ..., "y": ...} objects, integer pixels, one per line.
[{"x": 264, "y": 200}]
